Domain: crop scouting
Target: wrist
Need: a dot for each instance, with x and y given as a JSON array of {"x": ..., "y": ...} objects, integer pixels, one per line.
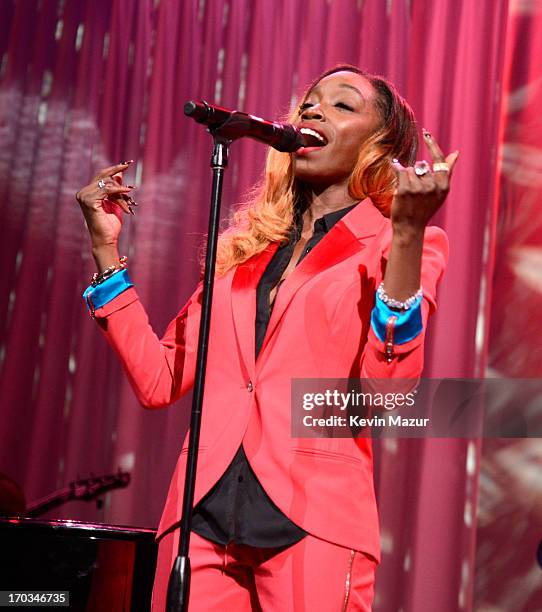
[
  {"x": 105, "y": 255},
  {"x": 406, "y": 234}
]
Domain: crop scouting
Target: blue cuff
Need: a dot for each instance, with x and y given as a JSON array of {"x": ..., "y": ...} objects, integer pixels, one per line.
[
  {"x": 96, "y": 297},
  {"x": 408, "y": 324}
]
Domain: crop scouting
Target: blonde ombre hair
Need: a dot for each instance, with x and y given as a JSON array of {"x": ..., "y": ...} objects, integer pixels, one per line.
[{"x": 268, "y": 213}]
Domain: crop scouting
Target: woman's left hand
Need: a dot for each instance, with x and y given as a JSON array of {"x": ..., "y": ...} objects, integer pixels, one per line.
[{"x": 422, "y": 188}]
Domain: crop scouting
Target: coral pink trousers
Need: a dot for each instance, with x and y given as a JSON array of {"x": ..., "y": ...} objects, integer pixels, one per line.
[{"x": 310, "y": 576}]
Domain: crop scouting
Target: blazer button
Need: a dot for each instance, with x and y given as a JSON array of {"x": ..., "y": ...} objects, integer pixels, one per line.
[{"x": 249, "y": 386}]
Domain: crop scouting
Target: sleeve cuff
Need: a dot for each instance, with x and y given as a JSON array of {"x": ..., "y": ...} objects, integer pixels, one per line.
[
  {"x": 102, "y": 294},
  {"x": 408, "y": 325}
]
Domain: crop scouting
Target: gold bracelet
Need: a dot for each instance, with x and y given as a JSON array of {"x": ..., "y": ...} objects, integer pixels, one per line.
[{"x": 98, "y": 279}]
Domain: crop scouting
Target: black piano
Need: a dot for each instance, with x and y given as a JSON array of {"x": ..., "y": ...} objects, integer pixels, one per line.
[{"x": 104, "y": 568}]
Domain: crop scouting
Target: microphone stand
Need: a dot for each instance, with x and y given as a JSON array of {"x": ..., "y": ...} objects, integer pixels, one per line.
[
  {"x": 235, "y": 126},
  {"x": 178, "y": 591}
]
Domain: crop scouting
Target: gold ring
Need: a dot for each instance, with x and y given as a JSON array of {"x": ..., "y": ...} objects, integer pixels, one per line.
[{"x": 441, "y": 167}]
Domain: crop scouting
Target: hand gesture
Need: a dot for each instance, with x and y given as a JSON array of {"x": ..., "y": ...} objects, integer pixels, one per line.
[
  {"x": 102, "y": 202},
  {"x": 422, "y": 188}
]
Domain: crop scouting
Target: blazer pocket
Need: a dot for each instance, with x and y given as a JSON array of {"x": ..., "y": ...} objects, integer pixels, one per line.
[
  {"x": 319, "y": 453},
  {"x": 184, "y": 451}
]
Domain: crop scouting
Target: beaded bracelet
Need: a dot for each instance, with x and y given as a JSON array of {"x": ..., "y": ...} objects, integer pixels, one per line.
[
  {"x": 406, "y": 305},
  {"x": 98, "y": 279}
]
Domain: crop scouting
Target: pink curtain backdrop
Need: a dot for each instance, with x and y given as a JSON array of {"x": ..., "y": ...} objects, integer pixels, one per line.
[
  {"x": 87, "y": 83},
  {"x": 510, "y": 515}
]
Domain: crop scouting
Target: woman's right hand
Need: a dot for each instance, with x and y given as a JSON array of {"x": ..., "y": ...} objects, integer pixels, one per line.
[{"x": 102, "y": 202}]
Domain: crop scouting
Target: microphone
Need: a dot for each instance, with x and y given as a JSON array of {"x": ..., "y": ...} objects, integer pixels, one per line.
[{"x": 235, "y": 124}]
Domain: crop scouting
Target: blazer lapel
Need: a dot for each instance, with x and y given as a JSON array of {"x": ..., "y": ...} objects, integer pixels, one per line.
[
  {"x": 347, "y": 237},
  {"x": 243, "y": 298}
]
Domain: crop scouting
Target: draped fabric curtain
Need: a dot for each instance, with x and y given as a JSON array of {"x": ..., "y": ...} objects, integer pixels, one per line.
[
  {"x": 87, "y": 83},
  {"x": 510, "y": 516}
]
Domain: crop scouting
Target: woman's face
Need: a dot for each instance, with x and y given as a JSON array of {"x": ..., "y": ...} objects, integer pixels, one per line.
[{"x": 341, "y": 108}]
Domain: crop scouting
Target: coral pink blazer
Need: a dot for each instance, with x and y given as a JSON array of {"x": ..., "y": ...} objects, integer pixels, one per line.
[{"x": 319, "y": 327}]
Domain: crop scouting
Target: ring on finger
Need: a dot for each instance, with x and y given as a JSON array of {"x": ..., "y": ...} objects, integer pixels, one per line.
[
  {"x": 421, "y": 168},
  {"x": 441, "y": 167},
  {"x": 101, "y": 184}
]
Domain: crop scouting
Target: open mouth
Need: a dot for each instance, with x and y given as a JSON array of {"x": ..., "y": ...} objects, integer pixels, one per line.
[{"x": 313, "y": 138}]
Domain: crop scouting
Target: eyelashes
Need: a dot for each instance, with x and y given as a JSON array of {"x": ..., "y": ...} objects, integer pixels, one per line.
[{"x": 342, "y": 105}]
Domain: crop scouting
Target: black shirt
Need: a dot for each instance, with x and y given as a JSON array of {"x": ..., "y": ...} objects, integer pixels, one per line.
[{"x": 237, "y": 509}]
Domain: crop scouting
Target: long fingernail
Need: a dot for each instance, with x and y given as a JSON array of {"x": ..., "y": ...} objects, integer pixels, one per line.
[
  {"x": 426, "y": 134},
  {"x": 133, "y": 202},
  {"x": 126, "y": 163},
  {"x": 132, "y": 212}
]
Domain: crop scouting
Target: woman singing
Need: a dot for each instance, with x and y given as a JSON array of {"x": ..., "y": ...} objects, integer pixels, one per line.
[{"x": 330, "y": 272}]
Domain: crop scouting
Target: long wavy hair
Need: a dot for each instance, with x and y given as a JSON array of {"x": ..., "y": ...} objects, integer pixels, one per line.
[{"x": 268, "y": 212}]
